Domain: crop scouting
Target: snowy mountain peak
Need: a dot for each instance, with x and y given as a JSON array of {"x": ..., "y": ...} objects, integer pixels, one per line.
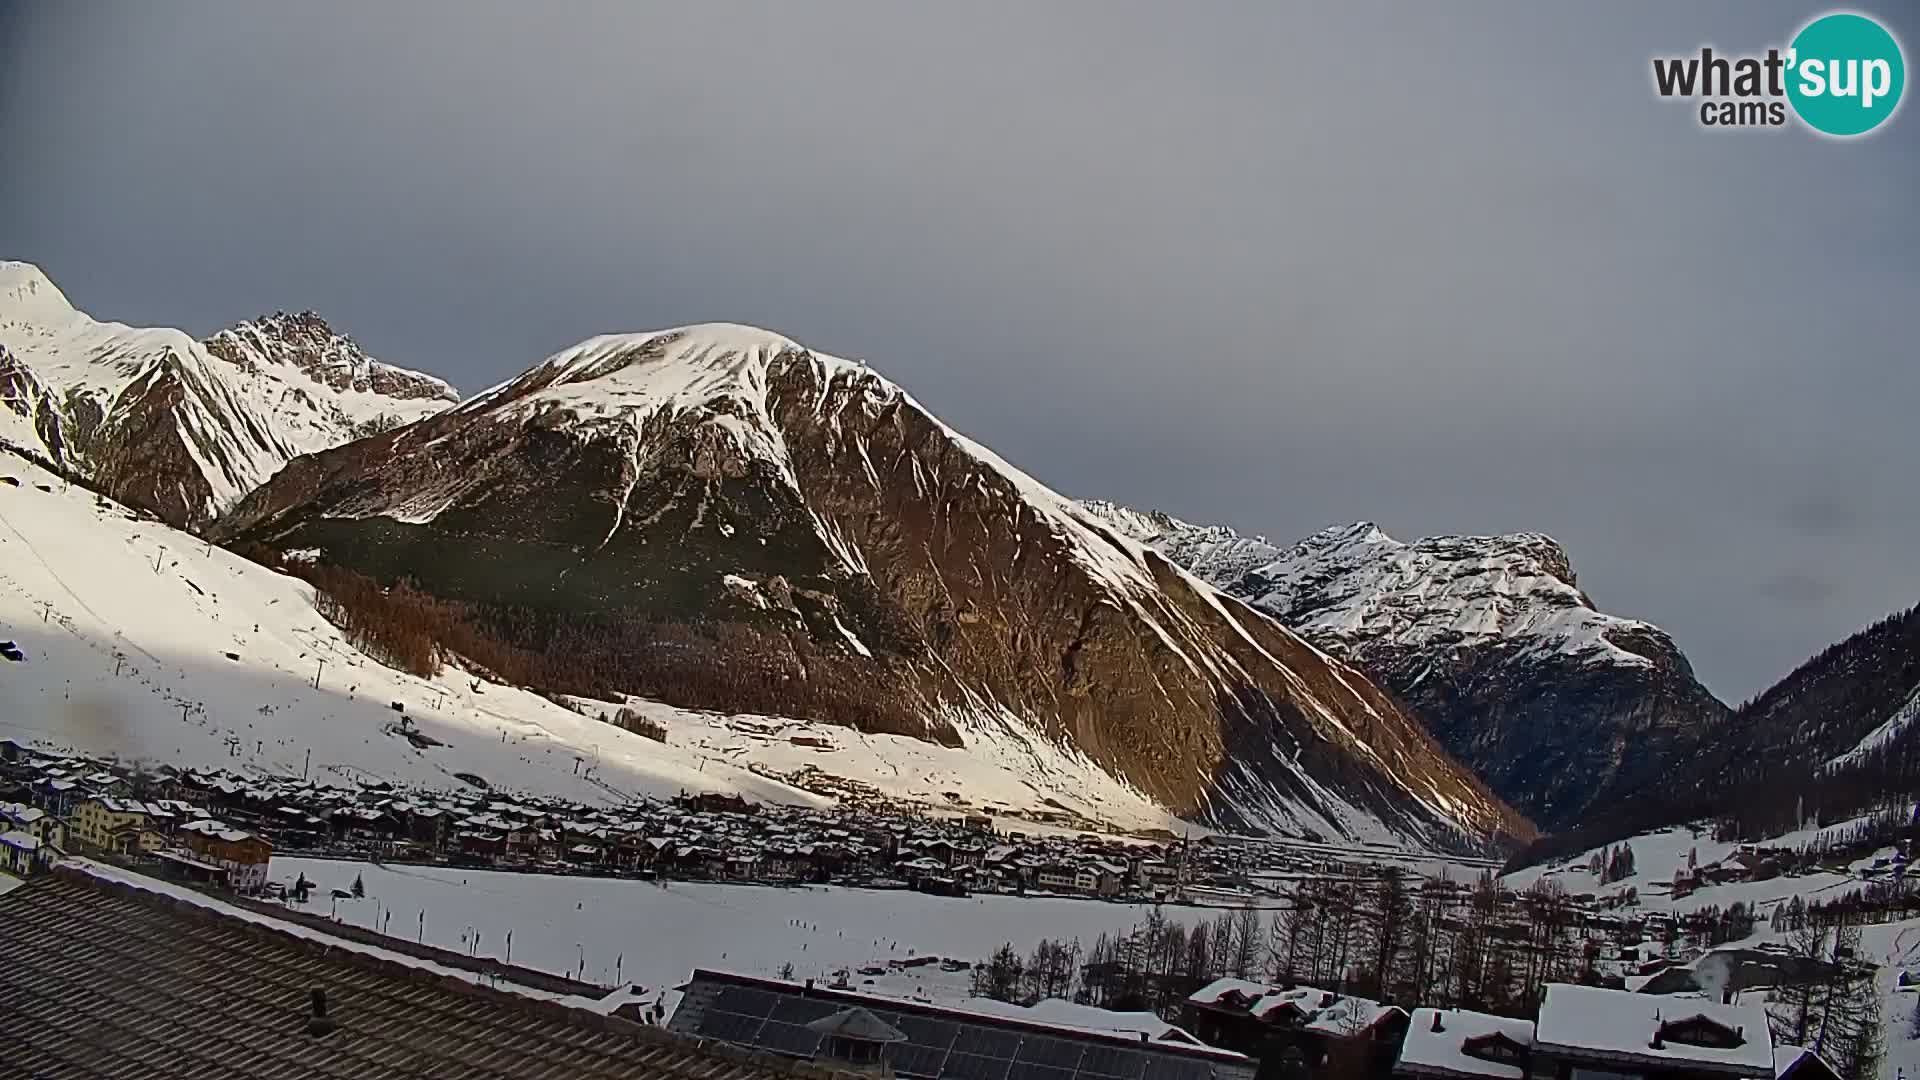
[
  {"x": 649, "y": 368},
  {"x": 177, "y": 427},
  {"x": 768, "y": 527},
  {"x": 1360, "y": 532},
  {"x": 1479, "y": 633},
  {"x": 306, "y": 342},
  {"x": 27, "y": 295}
]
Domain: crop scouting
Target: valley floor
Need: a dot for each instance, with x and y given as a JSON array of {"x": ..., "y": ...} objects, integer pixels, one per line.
[{"x": 653, "y": 934}]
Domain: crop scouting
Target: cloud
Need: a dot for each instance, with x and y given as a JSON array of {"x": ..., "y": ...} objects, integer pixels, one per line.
[{"x": 1279, "y": 268}]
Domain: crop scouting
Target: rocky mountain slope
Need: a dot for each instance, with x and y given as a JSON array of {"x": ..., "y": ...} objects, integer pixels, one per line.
[
  {"x": 1835, "y": 741},
  {"x": 1857, "y": 701},
  {"x": 1489, "y": 640},
  {"x": 179, "y": 427},
  {"x": 720, "y": 517}
]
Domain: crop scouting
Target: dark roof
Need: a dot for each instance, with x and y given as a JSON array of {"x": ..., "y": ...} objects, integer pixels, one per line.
[
  {"x": 858, "y": 1023},
  {"x": 98, "y": 978},
  {"x": 942, "y": 1042}
]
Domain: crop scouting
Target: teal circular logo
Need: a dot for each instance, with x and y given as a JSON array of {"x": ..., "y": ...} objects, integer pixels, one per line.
[{"x": 1845, "y": 74}]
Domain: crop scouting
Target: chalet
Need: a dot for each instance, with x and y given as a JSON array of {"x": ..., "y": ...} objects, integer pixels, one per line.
[
  {"x": 119, "y": 824},
  {"x": 712, "y": 802},
  {"x": 35, "y": 822},
  {"x": 788, "y": 864},
  {"x": 693, "y": 861},
  {"x": 635, "y": 851},
  {"x": 366, "y": 824},
  {"x": 58, "y": 794},
  {"x": 243, "y": 855},
  {"x": 101, "y": 782},
  {"x": 1158, "y": 873},
  {"x": 941, "y": 850},
  {"x": 1590, "y": 1033},
  {"x": 427, "y": 826},
  {"x": 480, "y": 844},
  {"x": 523, "y": 841},
  {"x": 1456, "y": 1044},
  {"x": 1108, "y": 878},
  {"x": 1294, "y": 1028},
  {"x": 22, "y": 853},
  {"x": 1055, "y": 878}
]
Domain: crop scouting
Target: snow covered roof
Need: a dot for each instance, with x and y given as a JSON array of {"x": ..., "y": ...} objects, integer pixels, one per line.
[
  {"x": 1213, "y": 992},
  {"x": 1444, "y": 1052},
  {"x": 20, "y": 840},
  {"x": 1345, "y": 1015},
  {"x": 129, "y": 806},
  {"x": 1616, "y": 1025},
  {"x": 1060, "y": 1013},
  {"x": 1319, "y": 1010}
]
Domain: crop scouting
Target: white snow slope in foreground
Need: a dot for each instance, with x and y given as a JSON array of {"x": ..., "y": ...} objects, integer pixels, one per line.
[{"x": 88, "y": 587}]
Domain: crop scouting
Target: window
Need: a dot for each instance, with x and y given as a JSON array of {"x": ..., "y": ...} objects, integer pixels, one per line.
[
  {"x": 1700, "y": 1031},
  {"x": 1495, "y": 1047}
]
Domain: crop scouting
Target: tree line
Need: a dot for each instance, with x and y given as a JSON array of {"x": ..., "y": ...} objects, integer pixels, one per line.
[
  {"x": 1441, "y": 944},
  {"x": 1838, "y": 1014},
  {"x": 722, "y": 666},
  {"x": 1390, "y": 938}
]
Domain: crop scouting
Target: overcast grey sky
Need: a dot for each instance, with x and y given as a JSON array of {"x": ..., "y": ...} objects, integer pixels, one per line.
[{"x": 1450, "y": 268}]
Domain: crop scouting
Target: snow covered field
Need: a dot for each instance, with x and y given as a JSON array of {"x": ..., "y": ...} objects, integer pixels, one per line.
[
  {"x": 143, "y": 642},
  {"x": 1658, "y": 854},
  {"x": 657, "y": 933}
]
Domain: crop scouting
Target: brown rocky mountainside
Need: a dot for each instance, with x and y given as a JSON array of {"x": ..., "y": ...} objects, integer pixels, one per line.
[{"x": 723, "y": 519}]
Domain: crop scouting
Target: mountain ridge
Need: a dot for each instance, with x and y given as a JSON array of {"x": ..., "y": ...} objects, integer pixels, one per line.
[
  {"x": 745, "y": 485},
  {"x": 1489, "y": 640},
  {"x": 179, "y": 427}
]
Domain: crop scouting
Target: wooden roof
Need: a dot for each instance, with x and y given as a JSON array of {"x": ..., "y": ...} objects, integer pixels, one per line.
[{"x": 100, "y": 979}]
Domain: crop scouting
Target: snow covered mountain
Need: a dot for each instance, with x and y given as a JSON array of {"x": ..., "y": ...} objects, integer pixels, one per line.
[
  {"x": 719, "y": 517},
  {"x": 179, "y": 427},
  {"x": 143, "y": 642},
  {"x": 1488, "y": 639}
]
